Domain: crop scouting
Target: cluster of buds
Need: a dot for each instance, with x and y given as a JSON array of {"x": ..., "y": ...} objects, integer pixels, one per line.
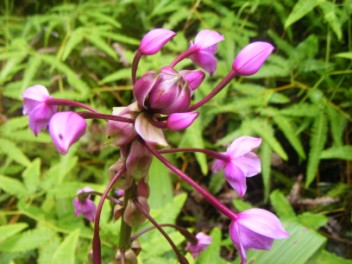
[{"x": 163, "y": 101}]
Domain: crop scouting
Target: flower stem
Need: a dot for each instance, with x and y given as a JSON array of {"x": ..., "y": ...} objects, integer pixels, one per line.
[
  {"x": 182, "y": 230},
  {"x": 96, "y": 237},
  {"x": 181, "y": 258},
  {"x": 55, "y": 101},
  {"x": 208, "y": 196},
  {"x": 210, "y": 153},
  {"x": 215, "y": 91},
  {"x": 88, "y": 115},
  {"x": 183, "y": 55},
  {"x": 135, "y": 63}
]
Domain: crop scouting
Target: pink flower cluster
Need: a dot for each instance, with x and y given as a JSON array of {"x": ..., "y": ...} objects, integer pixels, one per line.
[{"x": 163, "y": 100}]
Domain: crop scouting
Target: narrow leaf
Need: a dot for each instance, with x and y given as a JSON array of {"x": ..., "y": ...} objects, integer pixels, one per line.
[
  {"x": 281, "y": 205},
  {"x": 301, "y": 8},
  {"x": 13, "y": 152},
  {"x": 31, "y": 176},
  {"x": 265, "y": 158},
  {"x": 265, "y": 131},
  {"x": 10, "y": 230},
  {"x": 340, "y": 152},
  {"x": 65, "y": 253},
  {"x": 317, "y": 142},
  {"x": 12, "y": 186}
]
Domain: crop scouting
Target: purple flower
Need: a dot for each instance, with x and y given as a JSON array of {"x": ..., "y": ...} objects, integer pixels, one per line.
[
  {"x": 203, "y": 241},
  {"x": 65, "y": 129},
  {"x": 251, "y": 58},
  {"x": 255, "y": 228},
  {"x": 241, "y": 163},
  {"x": 205, "y": 44},
  {"x": 154, "y": 40},
  {"x": 179, "y": 121},
  {"x": 35, "y": 106},
  {"x": 84, "y": 205}
]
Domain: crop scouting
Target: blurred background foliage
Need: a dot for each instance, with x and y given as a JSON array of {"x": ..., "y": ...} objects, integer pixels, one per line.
[{"x": 300, "y": 104}]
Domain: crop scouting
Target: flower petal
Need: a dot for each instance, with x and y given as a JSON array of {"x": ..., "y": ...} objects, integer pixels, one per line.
[
  {"x": 243, "y": 145},
  {"x": 207, "y": 38},
  {"x": 236, "y": 178}
]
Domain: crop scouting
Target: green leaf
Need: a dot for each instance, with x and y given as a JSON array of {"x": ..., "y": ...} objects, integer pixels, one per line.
[
  {"x": 265, "y": 131},
  {"x": 30, "y": 71},
  {"x": 122, "y": 74},
  {"x": 11, "y": 229},
  {"x": 193, "y": 138},
  {"x": 31, "y": 175},
  {"x": 13, "y": 152},
  {"x": 101, "y": 17},
  {"x": 287, "y": 127},
  {"x": 72, "y": 77},
  {"x": 301, "y": 8},
  {"x": 345, "y": 55},
  {"x": 313, "y": 221},
  {"x": 329, "y": 9},
  {"x": 301, "y": 110},
  {"x": 12, "y": 186},
  {"x": 74, "y": 39},
  {"x": 338, "y": 125},
  {"x": 241, "y": 205},
  {"x": 11, "y": 67},
  {"x": 265, "y": 158},
  {"x": 65, "y": 253},
  {"x": 26, "y": 241},
  {"x": 325, "y": 257},
  {"x": 341, "y": 152},
  {"x": 94, "y": 38},
  {"x": 281, "y": 205},
  {"x": 160, "y": 185},
  {"x": 317, "y": 143}
]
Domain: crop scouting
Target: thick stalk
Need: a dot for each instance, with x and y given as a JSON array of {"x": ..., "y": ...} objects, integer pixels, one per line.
[
  {"x": 55, "y": 101},
  {"x": 210, "y": 153},
  {"x": 215, "y": 91},
  {"x": 209, "y": 197},
  {"x": 89, "y": 115},
  {"x": 183, "y": 55},
  {"x": 135, "y": 63},
  {"x": 96, "y": 236},
  {"x": 125, "y": 229}
]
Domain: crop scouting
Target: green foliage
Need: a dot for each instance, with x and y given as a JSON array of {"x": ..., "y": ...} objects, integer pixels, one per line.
[{"x": 299, "y": 103}]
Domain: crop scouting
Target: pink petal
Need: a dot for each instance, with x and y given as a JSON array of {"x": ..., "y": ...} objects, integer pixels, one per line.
[
  {"x": 249, "y": 163},
  {"x": 262, "y": 222},
  {"x": 243, "y": 145},
  {"x": 180, "y": 121},
  {"x": 218, "y": 165},
  {"x": 207, "y": 38},
  {"x": 251, "y": 58},
  {"x": 236, "y": 178},
  {"x": 65, "y": 129},
  {"x": 205, "y": 60},
  {"x": 154, "y": 40}
]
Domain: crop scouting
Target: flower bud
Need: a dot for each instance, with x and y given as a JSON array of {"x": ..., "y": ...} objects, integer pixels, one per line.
[
  {"x": 170, "y": 93},
  {"x": 251, "y": 58},
  {"x": 142, "y": 88},
  {"x": 65, "y": 129},
  {"x": 35, "y": 106},
  {"x": 138, "y": 161},
  {"x": 179, "y": 121},
  {"x": 154, "y": 40},
  {"x": 193, "y": 78},
  {"x": 132, "y": 216},
  {"x": 203, "y": 241}
]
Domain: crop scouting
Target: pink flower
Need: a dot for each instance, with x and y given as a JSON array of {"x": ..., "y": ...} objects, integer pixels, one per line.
[
  {"x": 35, "y": 106},
  {"x": 193, "y": 78},
  {"x": 154, "y": 40},
  {"x": 241, "y": 163},
  {"x": 84, "y": 205},
  {"x": 179, "y": 121},
  {"x": 256, "y": 229},
  {"x": 65, "y": 129},
  {"x": 203, "y": 241},
  {"x": 205, "y": 44},
  {"x": 251, "y": 58}
]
